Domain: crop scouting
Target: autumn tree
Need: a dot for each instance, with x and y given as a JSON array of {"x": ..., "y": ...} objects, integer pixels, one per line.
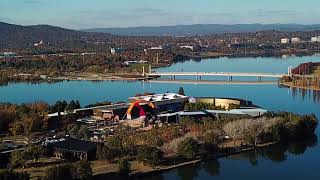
[{"x": 188, "y": 148}]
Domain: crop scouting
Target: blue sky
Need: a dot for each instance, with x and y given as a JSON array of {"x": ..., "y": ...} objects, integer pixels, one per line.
[{"x": 79, "y": 14}]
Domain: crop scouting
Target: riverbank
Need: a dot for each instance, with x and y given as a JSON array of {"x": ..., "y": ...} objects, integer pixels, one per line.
[{"x": 141, "y": 170}]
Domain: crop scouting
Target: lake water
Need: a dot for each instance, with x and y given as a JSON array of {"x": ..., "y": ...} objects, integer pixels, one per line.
[{"x": 295, "y": 161}]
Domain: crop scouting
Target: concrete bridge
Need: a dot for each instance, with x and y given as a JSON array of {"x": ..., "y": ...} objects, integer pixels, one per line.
[{"x": 230, "y": 75}]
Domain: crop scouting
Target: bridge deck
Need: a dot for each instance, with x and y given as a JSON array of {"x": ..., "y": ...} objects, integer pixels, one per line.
[{"x": 240, "y": 74}]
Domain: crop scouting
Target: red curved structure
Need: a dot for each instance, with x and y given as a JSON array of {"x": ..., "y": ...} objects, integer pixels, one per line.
[{"x": 142, "y": 113}]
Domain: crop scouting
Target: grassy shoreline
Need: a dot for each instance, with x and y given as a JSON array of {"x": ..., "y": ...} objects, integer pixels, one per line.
[{"x": 141, "y": 171}]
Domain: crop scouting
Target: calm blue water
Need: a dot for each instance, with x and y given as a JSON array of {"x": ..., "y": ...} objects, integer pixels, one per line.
[
  {"x": 293, "y": 165},
  {"x": 242, "y": 64}
]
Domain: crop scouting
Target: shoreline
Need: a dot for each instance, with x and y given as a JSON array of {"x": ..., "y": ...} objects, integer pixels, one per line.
[
  {"x": 137, "y": 77},
  {"x": 161, "y": 169},
  {"x": 290, "y": 85}
]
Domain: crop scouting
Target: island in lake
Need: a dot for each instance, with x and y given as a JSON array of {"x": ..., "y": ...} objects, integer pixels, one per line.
[{"x": 150, "y": 133}]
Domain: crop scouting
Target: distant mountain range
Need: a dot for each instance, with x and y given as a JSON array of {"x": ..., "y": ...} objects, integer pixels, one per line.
[
  {"x": 21, "y": 36},
  {"x": 17, "y": 36},
  {"x": 203, "y": 29}
]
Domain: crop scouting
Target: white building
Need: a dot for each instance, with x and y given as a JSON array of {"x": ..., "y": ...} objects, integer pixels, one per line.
[
  {"x": 157, "y": 48},
  {"x": 295, "y": 40},
  {"x": 9, "y": 54},
  {"x": 285, "y": 41},
  {"x": 134, "y": 62},
  {"x": 38, "y": 44},
  {"x": 187, "y": 47},
  {"x": 113, "y": 51},
  {"x": 314, "y": 39}
]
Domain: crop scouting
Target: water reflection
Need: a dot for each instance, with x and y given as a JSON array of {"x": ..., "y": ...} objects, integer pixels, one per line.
[
  {"x": 189, "y": 172},
  {"x": 279, "y": 152},
  {"x": 304, "y": 93},
  {"x": 212, "y": 167}
]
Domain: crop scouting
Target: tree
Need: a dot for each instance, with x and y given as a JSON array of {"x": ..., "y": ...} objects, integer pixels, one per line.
[
  {"x": 149, "y": 155},
  {"x": 82, "y": 170},
  {"x": 59, "y": 172},
  {"x": 124, "y": 167},
  {"x": 59, "y": 106},
  {"x": 9, "y": 174},
  {"x": 79, "y": 170},
  {"x": 181, "y": 91},
  {"x": 34, "y": 153},
  {"x": 23, "y": 110},
  {"x": 16, "y": 128},
  {"x": 212, "y": 137},
  {"x": 73, "y": 105},
  {"x": 17, "y": 159},
  {"x": 188, "y": 148},
  {"x": 83, "y": 132}
]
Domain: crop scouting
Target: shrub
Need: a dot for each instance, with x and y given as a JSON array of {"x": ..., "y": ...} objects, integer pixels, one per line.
[
  {"x": 124, "y": 167},
  {"x": 34, "y": 153},
  {"x": 181, "y": 91},
  {"x": 9, "y": 174},
  {"x": 79, "y": 170},
  {"x": 17, "y": 159},
  {"x": 251, "y": 130},
  {"x": 105, "y": 153},
  {"x": 152, "y": 138},
  {"x": 149, "y": 155},
  {"x": 59, "y": 172},
  {"x": 82, "y": 170},
  {"x": 188, "y": 148},
  {"x": 212, "y": 137},
  {"x": 172, "y": 146},
  {"x": 200, "y": 106}
]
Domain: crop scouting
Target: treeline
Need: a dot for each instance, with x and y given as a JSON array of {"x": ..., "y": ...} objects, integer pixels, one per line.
[
  {"x": 25, "y": 119},
  {"x": 198, "y": 138},
  {"x": 5, "y": 79},
  {"x": 199, "y": 106},
  {"x": 28, "y": 118},
  {"x": 20, "y": 161},
  {"x": 303, "y": 81}
]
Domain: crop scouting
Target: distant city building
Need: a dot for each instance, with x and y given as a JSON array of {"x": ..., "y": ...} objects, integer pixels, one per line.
[
  {"x": 187, "y": 47},
  {"x": 157, "y": 48},
  {"x": 114, "y": 51},
  {"x": 8, "y": 54},
  {"x": 285, "y": 41},
  {"x": 87, "y": 53},
  {"x": 295, "y": 40},
  {"x": 236, "y": 41},
  {"x": 134, "y": 62},
  {"x": 314, "y": 39},
  {"x": 38, "y": 44}
]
